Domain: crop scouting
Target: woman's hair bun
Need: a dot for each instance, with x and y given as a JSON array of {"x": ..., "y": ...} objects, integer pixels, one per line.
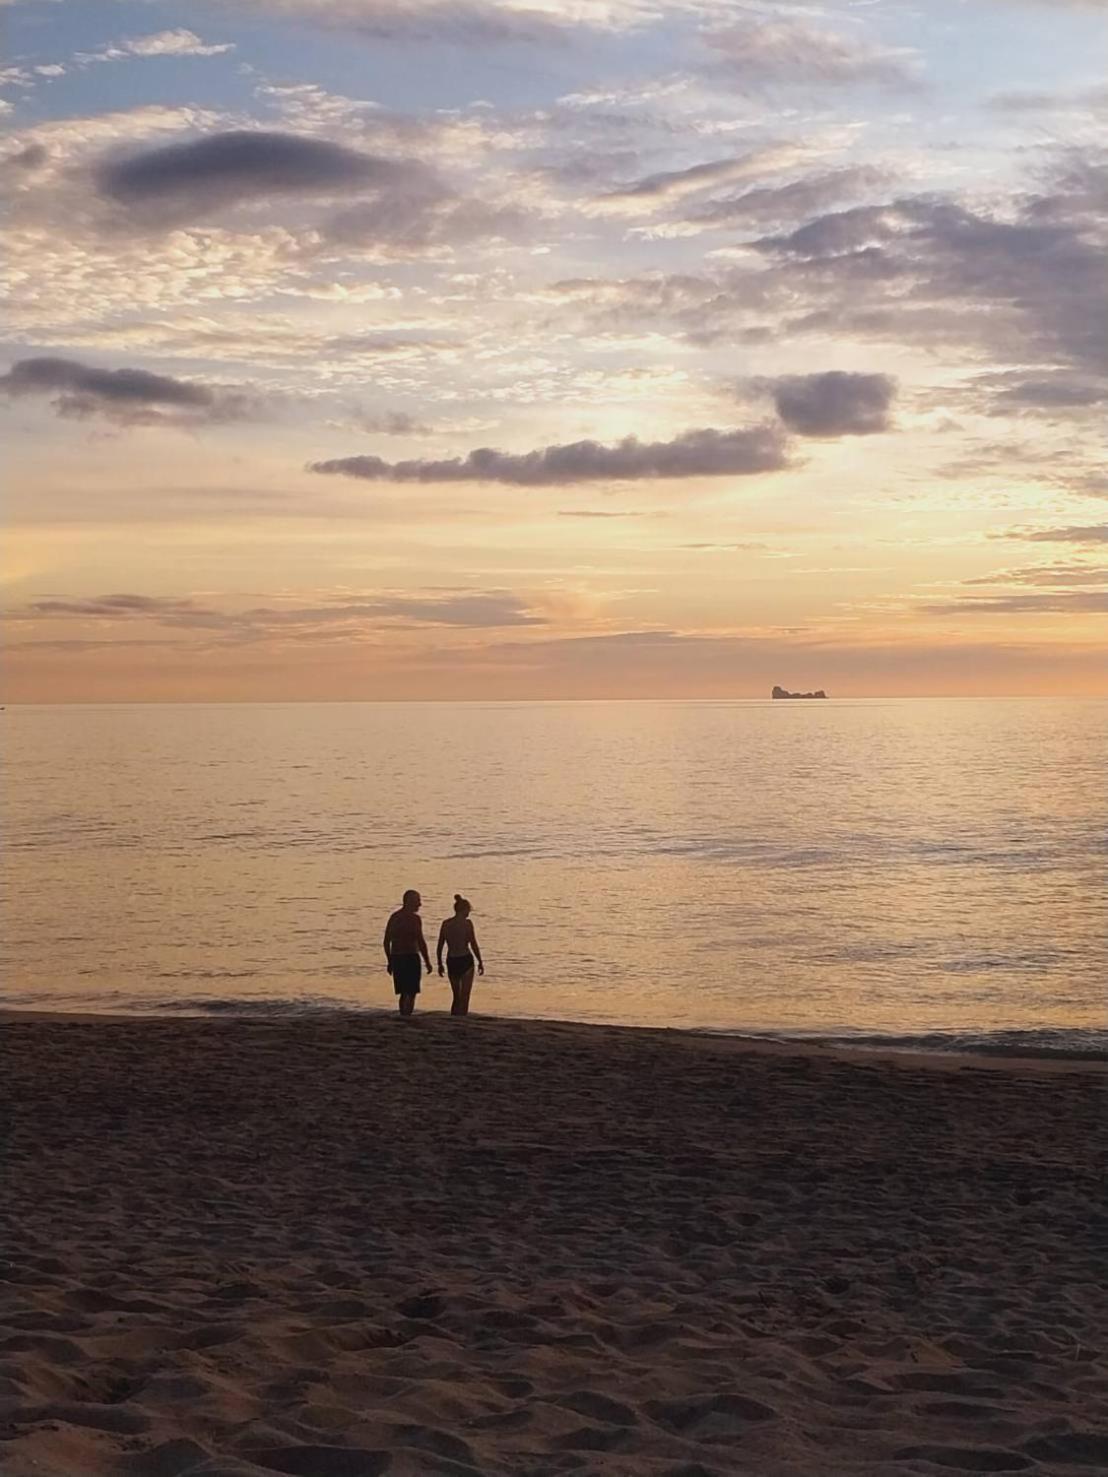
[{"x": 458, "y": 898}]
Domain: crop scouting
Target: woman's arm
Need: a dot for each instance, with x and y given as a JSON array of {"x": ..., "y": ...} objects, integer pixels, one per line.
[
  {"x": 476, "y": 949},
  {"x": 440, "y": 945}
]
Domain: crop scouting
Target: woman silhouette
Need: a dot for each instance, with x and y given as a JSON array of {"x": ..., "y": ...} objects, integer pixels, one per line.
[{"x": 457, "y": 937}]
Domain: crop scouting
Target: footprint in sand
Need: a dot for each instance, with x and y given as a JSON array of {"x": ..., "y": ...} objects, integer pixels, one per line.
[{"x": 709, "y": 1416}]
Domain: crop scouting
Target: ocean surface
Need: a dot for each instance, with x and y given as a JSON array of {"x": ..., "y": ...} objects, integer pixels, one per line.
[{"x": 925, "y": 872}]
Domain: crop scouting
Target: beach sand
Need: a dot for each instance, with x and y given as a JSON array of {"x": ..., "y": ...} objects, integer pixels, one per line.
[{"x": 341, "y": 1247}]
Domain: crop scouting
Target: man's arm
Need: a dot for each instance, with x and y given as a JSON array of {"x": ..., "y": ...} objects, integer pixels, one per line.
[
  {"x": 423, "y": 945},
  {"x": 476, "y": 950},
  {"x": 440, "y": 946},
  {"x": 387, "y": 941}
]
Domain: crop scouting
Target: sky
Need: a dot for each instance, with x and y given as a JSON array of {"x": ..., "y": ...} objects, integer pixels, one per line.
[{"x": 516, "y": 349}]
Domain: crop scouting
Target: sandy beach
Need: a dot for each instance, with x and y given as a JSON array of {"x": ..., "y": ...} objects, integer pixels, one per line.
[{"x": 343, "y": 1247}]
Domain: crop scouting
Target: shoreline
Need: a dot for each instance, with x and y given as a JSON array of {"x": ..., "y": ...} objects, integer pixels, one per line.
[{"x": 905, "y": 1050}]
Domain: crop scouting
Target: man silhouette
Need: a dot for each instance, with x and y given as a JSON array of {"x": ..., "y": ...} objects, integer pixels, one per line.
[{"x": 405, "y": 946}]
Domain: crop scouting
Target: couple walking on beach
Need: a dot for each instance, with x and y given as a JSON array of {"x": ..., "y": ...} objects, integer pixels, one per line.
[{"x": 406, "y": 952}]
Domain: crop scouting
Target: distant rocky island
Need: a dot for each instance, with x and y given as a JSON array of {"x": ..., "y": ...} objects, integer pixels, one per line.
[{"x": 780, "y": 692}]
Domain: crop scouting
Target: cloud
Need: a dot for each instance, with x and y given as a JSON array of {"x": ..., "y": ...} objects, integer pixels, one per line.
[
  {"x": 1047, "y": 574},
  {"x": 405, "y": 209},
  {"x": 460, "y": 22},
  {"x": 241, "y": 165},
  {"x": 663, "y": 187},
  {"x": 385, "y": 423},
  {"x": 1063, "y": 602},
  {"x": 423, "y": 217},
  {"x": 112, "y": 607},
  {"x": 1052, "y": 391},
  {"x": 778, "y": 203},
  {"x": 596, "y": 513},
  {"x": 128, "y": 397},
  {"x": 1027, "y": 285},
  {"x": 836, "y": 403},
  {"x": 25, "y": 160},
  {"x": 1089, "y": 533},
  {"x": 460, "y": 608},
  {"x": 179, "y": 42},
  {"x": 758, "y": 52},
  {"x": 1083, "y": 100},
  {"x": 699, "y": 453}
]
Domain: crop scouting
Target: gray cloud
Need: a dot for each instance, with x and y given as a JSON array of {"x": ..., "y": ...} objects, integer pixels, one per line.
[
  {"x": 771, "y": 204},
  {"x": 1062, "y": 602},
  {"x": 1047, "y": 575},
  {"x": 112, "y": 607},
  {"x": 179, "y": 181},
  {"x": 25, "y": 160},
  {"x": 1089, "y": 533},
  {"x": 400, "y": 204},
  {"x": 422, "y": 216},
  {"x": 596, "y": 513},
  {"x": 758, "y": 51},
  {"x": 1055, "y": 390},
  {"x": 1021, "y": 100},
  {"x": 699, "y": 453},
  {"x": 910, "y": 270},
  {"x": 468, "y": 609},
  {"x": 128, "y": 397},
  {"x": 836, "y": 403},
  {"x": 451, "y": 22},
  {"x": 389, "y": 423}
]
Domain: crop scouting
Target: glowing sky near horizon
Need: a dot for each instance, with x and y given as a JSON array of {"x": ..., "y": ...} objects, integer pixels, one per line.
[{"x": 367, "y": 349}]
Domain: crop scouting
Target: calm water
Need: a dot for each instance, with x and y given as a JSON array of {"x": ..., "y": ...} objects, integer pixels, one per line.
[{"x": 892, "y": 868}]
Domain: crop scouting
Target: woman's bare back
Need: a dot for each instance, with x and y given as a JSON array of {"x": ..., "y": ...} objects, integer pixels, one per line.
[{"x": 458, "y": 933}]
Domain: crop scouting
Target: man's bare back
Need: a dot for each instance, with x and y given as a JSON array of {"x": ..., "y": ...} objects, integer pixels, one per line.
[{"x": 405, "y": 932}]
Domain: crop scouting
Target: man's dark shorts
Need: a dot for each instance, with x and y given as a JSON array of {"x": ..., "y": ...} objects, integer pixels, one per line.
[{"x": 407, "y": 971}]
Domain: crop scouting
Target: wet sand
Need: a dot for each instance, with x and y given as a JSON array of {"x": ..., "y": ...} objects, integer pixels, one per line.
[{"x": 344, "y": 1247}]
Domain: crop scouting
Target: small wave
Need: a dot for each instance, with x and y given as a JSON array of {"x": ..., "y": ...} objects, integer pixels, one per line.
[
  {"x": 244, "y": 1005},
  {"x": 1070, "y": 1044},
  {"x": 1073, "y": 1043}
]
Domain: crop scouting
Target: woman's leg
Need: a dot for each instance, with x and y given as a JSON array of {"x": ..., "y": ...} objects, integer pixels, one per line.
[
  {"x": 465, "y": 986},
  {"x": 456, "y": 1007}
]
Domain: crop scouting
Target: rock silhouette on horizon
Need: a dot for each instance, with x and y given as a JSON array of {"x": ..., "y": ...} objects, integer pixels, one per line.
[{"x": 779, "y": 692}]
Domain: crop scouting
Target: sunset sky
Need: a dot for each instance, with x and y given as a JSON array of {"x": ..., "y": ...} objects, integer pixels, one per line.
[{"x": 554, "y": 348}]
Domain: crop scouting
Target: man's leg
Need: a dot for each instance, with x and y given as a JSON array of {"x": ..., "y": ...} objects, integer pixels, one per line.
[{"x": 406, "y": 1004}]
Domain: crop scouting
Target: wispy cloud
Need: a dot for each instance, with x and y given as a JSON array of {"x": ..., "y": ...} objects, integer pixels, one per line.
[
  {"x": 177, "y": 42},
  {"x": 765, "y": 51},
  {"x": 1062, "y": 602},
  {"x": 461, "y": 608},
  {"x": 1087, "y": 533}
]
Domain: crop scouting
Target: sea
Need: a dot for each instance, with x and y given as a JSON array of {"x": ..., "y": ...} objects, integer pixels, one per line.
[{"x": 912, "y": 872}]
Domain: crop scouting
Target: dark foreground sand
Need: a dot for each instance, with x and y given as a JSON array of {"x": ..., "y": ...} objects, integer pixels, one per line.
[{"x": 339, "y": 1248}]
